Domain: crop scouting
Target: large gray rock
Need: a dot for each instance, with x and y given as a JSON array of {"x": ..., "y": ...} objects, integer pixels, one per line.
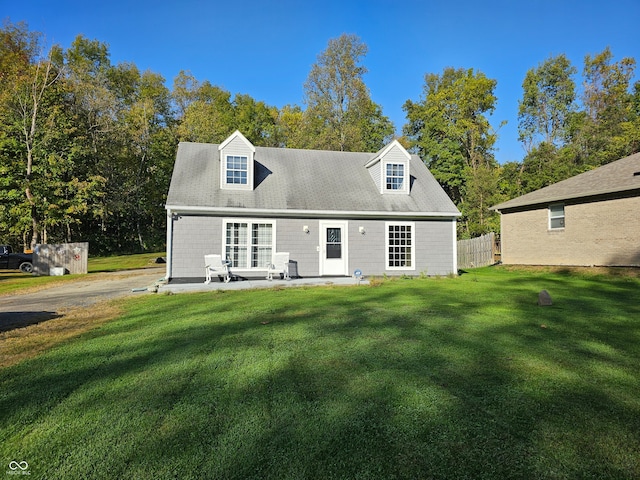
[{"x": 544, "y": 299}]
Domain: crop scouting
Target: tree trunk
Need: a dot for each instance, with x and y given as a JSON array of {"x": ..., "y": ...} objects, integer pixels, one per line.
[{"x": 29, "y": 105}]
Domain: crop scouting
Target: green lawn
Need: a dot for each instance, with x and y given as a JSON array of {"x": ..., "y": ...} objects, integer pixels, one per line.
[
  {"x": 453, "y": 378},
  {"x": 123, "y": 262}
]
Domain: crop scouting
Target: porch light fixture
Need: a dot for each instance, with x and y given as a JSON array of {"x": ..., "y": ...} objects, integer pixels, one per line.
[
  {"x": 361, "y": 230},
  {"x": 305, "y": 229}
]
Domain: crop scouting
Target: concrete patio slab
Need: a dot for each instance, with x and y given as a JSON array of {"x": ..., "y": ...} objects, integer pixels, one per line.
[{"x": 246, "y": 284}]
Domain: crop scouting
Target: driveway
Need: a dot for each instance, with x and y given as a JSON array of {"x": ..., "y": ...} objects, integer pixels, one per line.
[{"x": 21, "y": 309}]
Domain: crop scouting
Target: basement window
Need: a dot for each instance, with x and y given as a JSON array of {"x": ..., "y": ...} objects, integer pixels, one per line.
[{"x": 556, "y": 216}]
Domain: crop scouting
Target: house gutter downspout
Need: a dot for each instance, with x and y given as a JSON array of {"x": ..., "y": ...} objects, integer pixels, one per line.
[
  {"x": 455, "y": 246},
  {"x": 169, "y": 243}
]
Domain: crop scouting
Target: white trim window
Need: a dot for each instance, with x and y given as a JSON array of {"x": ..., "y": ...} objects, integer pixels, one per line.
[
  {"x": 556, "y": 216},
  {"x": 394, "y": 176},
  {"x": 237, "y": 170},
  {"x": 400, "y": 245},
  {"x": 249, "y": 243}
]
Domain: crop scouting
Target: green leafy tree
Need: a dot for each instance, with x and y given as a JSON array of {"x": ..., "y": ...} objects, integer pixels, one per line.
[
  {"x": 450, "y": 130},
  {"x": 631, "y": 129},
  {"x": 256, "y": 120},
  {"x": 340, "y": 114},
  {"x": 564, "y": 139},
  {"x": 93, "y": 104},
  {"x": 605, "y": 130},
  {"x": 292, "y": 127},
  {"x": 480, "y": 192},
  {"x": 144, "y": 175},
  {"x": 27, "y": 85},
  {"x": 208, "y": 114},
  {"x": 548, "y": 99},
  {"x": 86, "y": 147},
  {"x": 124, "y": 118}
]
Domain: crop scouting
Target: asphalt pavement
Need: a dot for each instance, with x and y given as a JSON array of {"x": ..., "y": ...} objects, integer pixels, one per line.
[{"x": 21, "y": 309}]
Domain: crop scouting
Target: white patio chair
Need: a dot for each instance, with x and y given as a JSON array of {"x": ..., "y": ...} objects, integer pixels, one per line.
[
  {"x": 215, "y": 266},
  {"x": 280, "y": 266}
]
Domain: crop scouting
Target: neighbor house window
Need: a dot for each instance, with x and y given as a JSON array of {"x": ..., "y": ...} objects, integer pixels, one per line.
[
  {"x": 249, "y": 244},
  {"x": 556, "y": 216},
  {"x": 237, "y": 170},
  {"x": 400, "y": 251},
  {"x": 395, "y": 176}
]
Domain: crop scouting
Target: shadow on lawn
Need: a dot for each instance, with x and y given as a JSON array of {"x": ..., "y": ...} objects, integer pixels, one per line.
[{"x": 407, "y": 385}]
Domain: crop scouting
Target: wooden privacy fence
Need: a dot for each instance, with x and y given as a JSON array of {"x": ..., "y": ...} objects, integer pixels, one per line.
[
  {"x": 479, "y": 252},
  {"x": 59, "y": 259}
]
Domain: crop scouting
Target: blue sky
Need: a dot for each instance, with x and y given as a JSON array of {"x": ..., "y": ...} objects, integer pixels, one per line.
[{"x": 266, "y": 49}]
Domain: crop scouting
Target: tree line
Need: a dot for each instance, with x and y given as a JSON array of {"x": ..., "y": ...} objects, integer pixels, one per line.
[
  {"x": 87, "y": 146},
  {"x": 564, "y": 132}
]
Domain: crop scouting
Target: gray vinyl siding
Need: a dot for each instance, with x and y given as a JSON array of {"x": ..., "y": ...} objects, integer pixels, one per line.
[
  {"x": 196, "y": 236},
  {"x": 302, "y": 247},
  {"x": 193, "y": 238},
  {"x": 435, "y": 247},
  {"x": 367, "y": 250},
  {"x": 237, "y": 147},
  {"x": 376, "y": 174},
  {"x": 395, "y": 156},
  {"x": 433, "y": 244}
]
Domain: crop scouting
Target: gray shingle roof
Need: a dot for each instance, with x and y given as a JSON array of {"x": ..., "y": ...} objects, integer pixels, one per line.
[
  {"x": 292, "y": 179},
  {"x": 615, "y": 177}
]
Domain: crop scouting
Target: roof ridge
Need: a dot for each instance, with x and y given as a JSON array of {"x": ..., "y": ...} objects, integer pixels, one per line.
[{"x": 613, "y": 177}]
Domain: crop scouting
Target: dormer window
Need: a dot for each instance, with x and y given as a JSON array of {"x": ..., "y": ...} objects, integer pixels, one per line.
[
  {"x": 237, "y": 169},
  {"x": 395, "y": 176},
  {"x": 389, "y": 169},
  {"x": 236, "y": 163}
]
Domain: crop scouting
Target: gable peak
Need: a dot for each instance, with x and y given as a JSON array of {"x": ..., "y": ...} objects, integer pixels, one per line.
[
  {"x": 239, "y": 135},
  {"x": 386, "y": 149}
]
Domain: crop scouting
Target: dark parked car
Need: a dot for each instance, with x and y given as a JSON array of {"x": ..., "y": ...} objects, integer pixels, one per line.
[{"x": 13, "y": 261}]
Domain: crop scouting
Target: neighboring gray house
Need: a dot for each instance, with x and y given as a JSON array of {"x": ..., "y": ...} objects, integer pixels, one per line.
[
  {"x": 333, "y": 212},
  {"x": 590, "y": 219}
]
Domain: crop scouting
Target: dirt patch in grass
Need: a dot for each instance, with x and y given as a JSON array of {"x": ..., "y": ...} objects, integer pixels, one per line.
[
  {"x": 28, "y": 342},
  {"x": 631, "y": 272}
]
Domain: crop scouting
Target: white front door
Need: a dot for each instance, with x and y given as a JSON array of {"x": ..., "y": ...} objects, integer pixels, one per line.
[{"x": 333, "y": 248}]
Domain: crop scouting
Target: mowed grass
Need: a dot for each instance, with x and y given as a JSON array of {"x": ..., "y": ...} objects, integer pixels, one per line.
[{"x": 446, "y": 378}]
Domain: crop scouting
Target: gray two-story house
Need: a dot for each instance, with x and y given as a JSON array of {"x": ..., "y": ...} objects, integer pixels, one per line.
[{"x": 333, "y": 212}]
